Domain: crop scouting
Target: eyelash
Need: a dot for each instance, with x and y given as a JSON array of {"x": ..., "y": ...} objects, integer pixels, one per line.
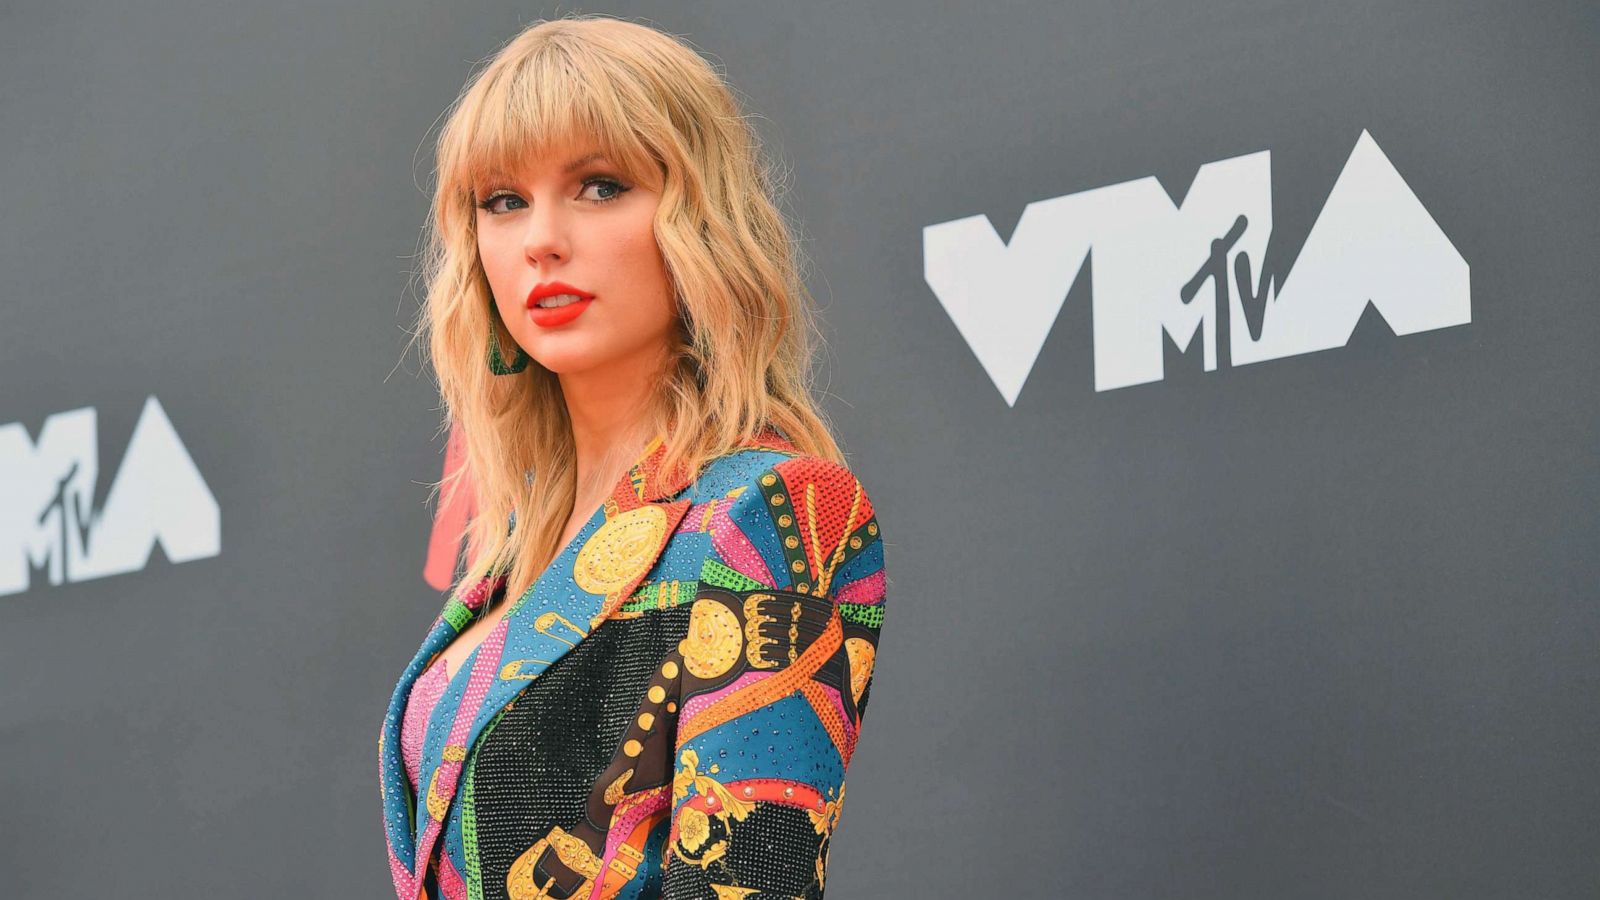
[{"x": 487, "y": 203}]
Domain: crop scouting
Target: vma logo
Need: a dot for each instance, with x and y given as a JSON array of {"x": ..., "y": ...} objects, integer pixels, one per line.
[
  {"x": 1195, "y": 268},
  {"x": 47, "y": 516}
]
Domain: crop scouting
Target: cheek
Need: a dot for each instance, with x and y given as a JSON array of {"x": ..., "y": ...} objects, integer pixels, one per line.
[
  {"x": 502, "y": 264},
  {"x": 492, "y": 255},
  {"x": 644, "y": 256}
]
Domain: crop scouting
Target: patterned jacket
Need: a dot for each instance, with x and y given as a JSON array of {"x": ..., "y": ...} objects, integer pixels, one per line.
[{"x": 669, "y": 710}]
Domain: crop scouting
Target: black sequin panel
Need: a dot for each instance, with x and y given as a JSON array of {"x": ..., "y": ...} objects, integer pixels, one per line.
[
  {"x": 536, "y": 768},
  {"x": 775, "y": 845}
]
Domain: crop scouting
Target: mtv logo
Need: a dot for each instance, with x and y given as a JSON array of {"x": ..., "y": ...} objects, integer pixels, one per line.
[
  {"x": 47, "y": 519},
  {"x": 1195, "y": 268}
]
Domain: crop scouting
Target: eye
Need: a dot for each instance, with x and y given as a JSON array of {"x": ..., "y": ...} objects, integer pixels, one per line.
[
  {"x": 617, "y": 187},
  {"x": 488, "y": 202}
]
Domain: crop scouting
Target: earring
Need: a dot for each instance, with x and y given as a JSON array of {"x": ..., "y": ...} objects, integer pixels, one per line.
[{"x": 497, "y": 362}]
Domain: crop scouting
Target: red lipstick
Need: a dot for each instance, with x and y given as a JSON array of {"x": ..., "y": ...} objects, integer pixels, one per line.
[{"x": 559, "y": 315}]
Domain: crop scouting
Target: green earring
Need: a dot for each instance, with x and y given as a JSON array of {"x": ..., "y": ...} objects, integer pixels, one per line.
[{"x": 497, "y": 362}]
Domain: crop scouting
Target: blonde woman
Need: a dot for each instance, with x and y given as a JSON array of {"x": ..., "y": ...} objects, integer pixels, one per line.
[{"x": 652, "y": 676}]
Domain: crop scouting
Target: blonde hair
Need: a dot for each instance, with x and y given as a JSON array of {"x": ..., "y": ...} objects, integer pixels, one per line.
[{"x": 743, "y": 357}]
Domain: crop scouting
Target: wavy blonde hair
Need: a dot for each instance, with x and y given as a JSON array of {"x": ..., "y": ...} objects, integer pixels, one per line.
[{"x": 743, "y": 350}]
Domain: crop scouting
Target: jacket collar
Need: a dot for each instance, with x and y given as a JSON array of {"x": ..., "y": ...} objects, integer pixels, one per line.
[{"x": 587, "y": 581}]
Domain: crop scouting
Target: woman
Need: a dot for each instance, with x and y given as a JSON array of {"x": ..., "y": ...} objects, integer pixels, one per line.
[{"x": 651, "y": 678}]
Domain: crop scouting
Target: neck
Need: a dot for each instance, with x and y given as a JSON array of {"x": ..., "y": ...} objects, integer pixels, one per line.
[{"x": 613, "y": 412}]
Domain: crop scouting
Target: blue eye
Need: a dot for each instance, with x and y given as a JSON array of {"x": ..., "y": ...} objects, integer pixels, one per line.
[
  {"x": 617, "y": 188},
  {"x": 488, "y": 202}
]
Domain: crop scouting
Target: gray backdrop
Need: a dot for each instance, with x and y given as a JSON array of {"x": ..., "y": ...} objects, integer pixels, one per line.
[{"x": 1318, "y": 627}]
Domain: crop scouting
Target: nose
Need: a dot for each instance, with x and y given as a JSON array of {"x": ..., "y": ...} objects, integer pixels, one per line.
[{"x": 546, "y": 239}]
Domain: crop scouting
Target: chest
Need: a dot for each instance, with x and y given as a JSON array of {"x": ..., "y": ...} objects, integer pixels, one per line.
[
  {"x": 455, "y": 655},
  {"x": 459, "y": 649}
]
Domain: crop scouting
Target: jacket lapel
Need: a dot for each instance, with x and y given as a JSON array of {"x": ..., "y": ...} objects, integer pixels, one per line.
[
  {"x": 398, "y": 809},
  {"x": 592, "y": 576}
]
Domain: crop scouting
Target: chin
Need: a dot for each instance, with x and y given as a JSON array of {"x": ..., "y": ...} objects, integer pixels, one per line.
[{"x": 568, "y": 360}]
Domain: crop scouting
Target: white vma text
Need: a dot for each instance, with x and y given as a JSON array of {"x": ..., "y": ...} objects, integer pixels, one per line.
[
  {"x": 1195, "y": 268},
  {"x": 47, "y": 517}
]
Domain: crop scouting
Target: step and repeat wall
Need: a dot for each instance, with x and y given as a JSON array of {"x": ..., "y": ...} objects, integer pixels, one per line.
[{"x": 1224, "y": 376}]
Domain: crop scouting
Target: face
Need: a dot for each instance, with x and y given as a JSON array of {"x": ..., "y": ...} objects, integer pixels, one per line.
[{"x": 572, "y": 219}]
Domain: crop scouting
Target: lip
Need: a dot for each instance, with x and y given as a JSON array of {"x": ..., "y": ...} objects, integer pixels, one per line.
[
  {"x": 552, "y": 288},
  {"x": 550, "y": 318}
]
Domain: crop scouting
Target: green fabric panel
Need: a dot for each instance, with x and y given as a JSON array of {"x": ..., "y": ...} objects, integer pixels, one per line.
[
  {"x": 718, "y": 575},
  {"x": 457, "y": 613},
  {"x": 870, "y": 615}
]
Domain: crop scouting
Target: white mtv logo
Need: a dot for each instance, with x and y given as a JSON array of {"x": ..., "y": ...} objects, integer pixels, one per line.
[
  {"x": 47, "y": 492},
  {"x": 1160, "y": 267}
]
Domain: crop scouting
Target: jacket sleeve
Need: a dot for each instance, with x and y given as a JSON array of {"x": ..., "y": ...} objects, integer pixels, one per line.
[{"x": 777, "y": 664}]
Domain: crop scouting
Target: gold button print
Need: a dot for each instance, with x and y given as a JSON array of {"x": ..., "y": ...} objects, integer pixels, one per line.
[
  {"x": 620, "y": 551},
  {"x": 714, "y": 640}
]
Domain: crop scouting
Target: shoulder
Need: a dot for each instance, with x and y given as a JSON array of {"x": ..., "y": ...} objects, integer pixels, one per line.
[
  {"x": 823, "y": 489},
  {"x": 794, "y": 521}
]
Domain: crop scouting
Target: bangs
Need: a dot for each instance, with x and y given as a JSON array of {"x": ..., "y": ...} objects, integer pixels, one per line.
[{"x": 550, "y": 102}]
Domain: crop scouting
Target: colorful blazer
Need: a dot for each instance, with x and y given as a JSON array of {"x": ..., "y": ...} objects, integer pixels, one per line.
[{"x": 668, "y": 711}]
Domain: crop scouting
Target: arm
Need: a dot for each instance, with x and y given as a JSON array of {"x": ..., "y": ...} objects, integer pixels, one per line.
[{"x": 777, "y": 664}]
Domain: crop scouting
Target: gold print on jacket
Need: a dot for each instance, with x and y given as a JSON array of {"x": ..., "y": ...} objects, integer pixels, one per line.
[
  {"x": 512, "y": 670},
  {"x": 825, "y": 823},
  {"x": 694, "y": 827},
  {"x": 614, "y": 792},
  {"x": 811, "y": 568},
  {"x": 438, "y": 804},
  {"x": 755, "y": 641},
  {"x": 545, "y": 625},
  {"x": 620, "y": 550},
  {"x": 826, "y": 569},
  {"x": 522, "y": 882},
  {"x": 827, "y": 820},
  {"x": 713, "y": 643},
  {"x": 861, "y": 654}
]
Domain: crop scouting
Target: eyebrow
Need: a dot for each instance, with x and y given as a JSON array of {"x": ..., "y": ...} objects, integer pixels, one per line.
[{"x": 580, "y": 162}]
